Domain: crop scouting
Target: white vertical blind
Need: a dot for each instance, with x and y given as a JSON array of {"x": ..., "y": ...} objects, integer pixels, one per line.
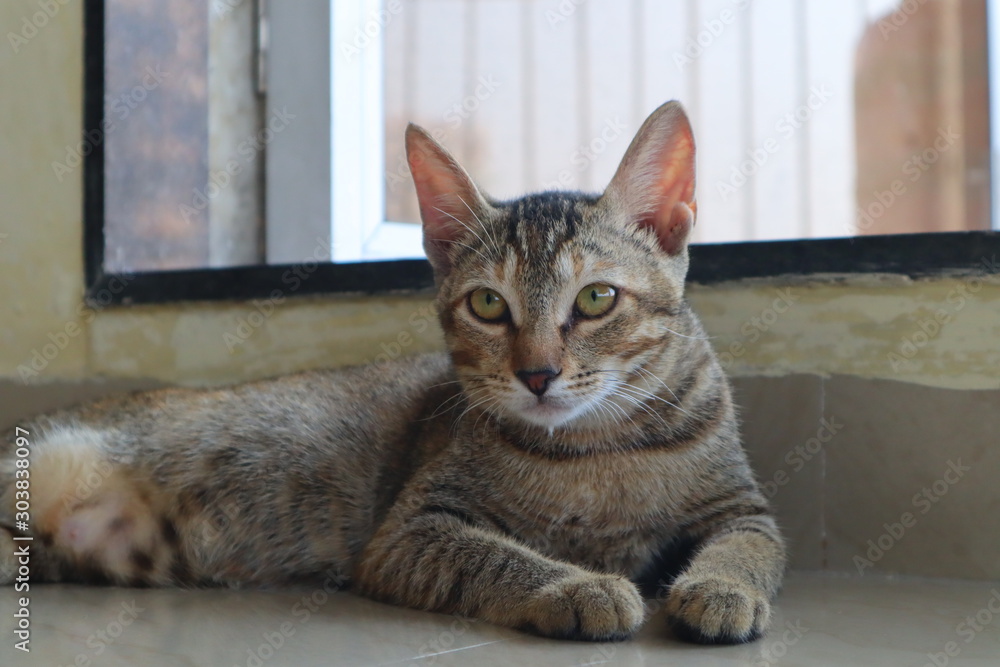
[
  {"x": 571, "y": 81},
  {"x": 492, "y": 108},
  {"x": 993, "y": 14},
  {"x": 778, "y": 185},
  {"x": 833, "y": 35},
  {"x": 557, "y": 88}
]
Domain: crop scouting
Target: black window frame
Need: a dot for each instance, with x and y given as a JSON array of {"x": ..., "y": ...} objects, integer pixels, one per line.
[{"x": 912, "y": 255}]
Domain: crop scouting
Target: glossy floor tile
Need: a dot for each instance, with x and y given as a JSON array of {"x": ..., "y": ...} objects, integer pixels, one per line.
[{"x": 822, "y": 620}]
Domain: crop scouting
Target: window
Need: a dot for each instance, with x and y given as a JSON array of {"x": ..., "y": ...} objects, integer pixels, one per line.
[
  {"x": 180, "y": 106},
  {"x": 326, "y": 173},
  {"x": 238, "y": 140}
]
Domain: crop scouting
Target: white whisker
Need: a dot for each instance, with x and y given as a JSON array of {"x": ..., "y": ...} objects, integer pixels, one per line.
[
  {"x": 482, "y": 226},
  {"x": 466, "y": 245},
  {"x": 457, "y": 398},
  {"x": 649, "y": 373},
  {"x": 441, "y": 384},
  {"x": 654, "y": 397},
  {"x": 642, "y": 406},
  {"x": 488, "y": 412},
  {"x": 686, "y": 336},
  {"x": 473, "y": 407},
  {"x": 612, "y": 404},
  {"x": 474, "y": 233}
]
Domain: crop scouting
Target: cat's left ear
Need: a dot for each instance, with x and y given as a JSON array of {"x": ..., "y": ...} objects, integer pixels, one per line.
[
  {"x": 654, "y": 184},
  {"x": 449, "y": 201}
]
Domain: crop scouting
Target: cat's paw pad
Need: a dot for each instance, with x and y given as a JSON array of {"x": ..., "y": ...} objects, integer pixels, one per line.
[
  {"x": 593, "y": 607},
  {"x": 717, "y": 611}
]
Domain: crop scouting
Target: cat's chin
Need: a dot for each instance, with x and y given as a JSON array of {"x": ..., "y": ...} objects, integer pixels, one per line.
[{"x": 548, "y": 415}]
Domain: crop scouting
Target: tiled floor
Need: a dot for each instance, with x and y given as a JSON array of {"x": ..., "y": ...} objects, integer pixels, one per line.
[{"x": 821, "y": 620}]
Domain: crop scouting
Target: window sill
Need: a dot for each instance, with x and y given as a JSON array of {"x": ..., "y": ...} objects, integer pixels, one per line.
[{"x": 911, "y": 255}]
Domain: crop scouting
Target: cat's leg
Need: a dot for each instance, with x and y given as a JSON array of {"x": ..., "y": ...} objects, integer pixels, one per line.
[
  {"x": 89, "y": 517},
  {"x": 442, "y": 559},
  {"x": 724, "y": 594}
]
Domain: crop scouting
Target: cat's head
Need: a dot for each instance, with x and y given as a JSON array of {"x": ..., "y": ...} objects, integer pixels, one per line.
[{"x": 553, "y": 304}]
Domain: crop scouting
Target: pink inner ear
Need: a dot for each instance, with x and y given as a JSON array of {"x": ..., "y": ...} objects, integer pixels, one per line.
[
  {"x": 673, "y": 228},
  {"x": 445, "y": 193},
  {"x": 656, "y": 179},
  {"x": 675, "y": 216}
]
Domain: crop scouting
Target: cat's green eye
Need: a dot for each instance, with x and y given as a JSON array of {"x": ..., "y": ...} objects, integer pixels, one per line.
[
  {"x": 595, "y": 300},
  {"x": 487, "y": 304}
]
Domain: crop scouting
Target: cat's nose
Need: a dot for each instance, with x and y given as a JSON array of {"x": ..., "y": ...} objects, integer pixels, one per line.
[{"x": 537, "y": 381}]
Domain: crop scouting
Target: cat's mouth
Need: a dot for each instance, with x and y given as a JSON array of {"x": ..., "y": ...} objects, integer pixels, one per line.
[{"x": 548, "y": 411}]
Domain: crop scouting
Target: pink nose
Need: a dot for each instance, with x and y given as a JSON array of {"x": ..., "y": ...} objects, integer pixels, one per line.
[{"x": 537, "y": 381}]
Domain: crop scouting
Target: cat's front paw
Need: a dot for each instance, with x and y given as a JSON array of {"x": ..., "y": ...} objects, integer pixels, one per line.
[
  {"x": 712, "y": 610},
  {"x": 590, "y": 607}
]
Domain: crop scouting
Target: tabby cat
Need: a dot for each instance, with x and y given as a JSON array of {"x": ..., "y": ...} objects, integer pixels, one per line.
[{"x": 577, "y": 441}]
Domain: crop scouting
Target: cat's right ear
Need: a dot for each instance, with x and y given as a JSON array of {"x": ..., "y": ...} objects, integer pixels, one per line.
[
  {"x": 449, "y": 201},
  {"x": 655, "y": 183}
]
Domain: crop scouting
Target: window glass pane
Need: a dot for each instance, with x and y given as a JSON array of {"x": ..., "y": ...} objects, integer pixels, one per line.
[
  {"x": 178, "y": 99},
  {"x": 814, "y": 119}
]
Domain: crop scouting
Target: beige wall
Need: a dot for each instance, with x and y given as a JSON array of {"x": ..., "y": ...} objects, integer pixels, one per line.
[{"x": 831, "y": 327}]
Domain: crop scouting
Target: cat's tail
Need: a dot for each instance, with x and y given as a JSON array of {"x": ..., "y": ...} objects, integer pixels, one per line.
[{"x": 81, "y": 514}]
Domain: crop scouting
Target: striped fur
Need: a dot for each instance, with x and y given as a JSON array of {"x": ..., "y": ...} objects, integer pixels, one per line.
[{"x": 443, "y": 482}]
